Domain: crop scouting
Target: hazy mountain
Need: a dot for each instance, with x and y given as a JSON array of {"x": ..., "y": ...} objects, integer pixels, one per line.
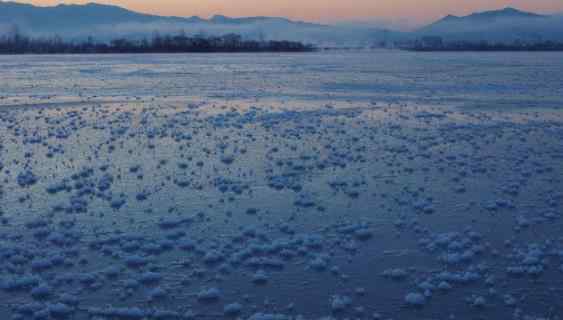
[
  {"x": 64, "y": 17},
  {"x": 106, "y": 22},
  {"x": 508, "y": 24}
]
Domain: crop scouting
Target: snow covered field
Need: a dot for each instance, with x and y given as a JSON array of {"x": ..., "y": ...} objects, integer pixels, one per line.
[{"x": 360, "y": 185}]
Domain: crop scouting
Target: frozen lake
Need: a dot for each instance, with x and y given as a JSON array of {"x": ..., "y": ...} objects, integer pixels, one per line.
[{"x": 345, "y": 185}]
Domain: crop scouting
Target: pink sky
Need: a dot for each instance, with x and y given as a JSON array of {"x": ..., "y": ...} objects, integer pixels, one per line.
[{"x": 415, "y": 11}]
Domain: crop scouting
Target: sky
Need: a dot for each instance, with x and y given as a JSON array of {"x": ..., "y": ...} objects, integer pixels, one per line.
[{"x": 405, "y": 11}]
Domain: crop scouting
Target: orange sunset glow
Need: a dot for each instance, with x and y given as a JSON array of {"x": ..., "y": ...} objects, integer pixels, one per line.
[{"x": 419, "y": 11}]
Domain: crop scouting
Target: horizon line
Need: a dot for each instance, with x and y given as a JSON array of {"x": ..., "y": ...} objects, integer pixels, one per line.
[{"x": 407, "y": 23}]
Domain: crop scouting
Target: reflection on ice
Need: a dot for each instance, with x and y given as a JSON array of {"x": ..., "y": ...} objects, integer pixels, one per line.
[{"x": 261, "y": 187}]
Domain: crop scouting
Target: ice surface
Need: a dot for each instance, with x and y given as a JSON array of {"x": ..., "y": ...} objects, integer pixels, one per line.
[{"x": 330, "y": 185}]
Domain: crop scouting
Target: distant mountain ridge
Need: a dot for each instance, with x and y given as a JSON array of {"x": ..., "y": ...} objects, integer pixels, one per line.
[
  {"x": 504, "y": 24},
  {"x": 106, "y": 22},
  {"x": 92, "y": 15},
  {"x": 483, "y": 17},
  {"x": 502, "y": 13}
]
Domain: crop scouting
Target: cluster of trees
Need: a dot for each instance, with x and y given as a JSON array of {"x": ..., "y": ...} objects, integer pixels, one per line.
[
  {"x": 487, "y": 46},
  {"x": 17, "y": 43}
]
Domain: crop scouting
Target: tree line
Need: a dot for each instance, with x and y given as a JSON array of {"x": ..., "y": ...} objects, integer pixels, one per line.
[
  {"x": 516, "y": 45},
  {"x": 17, "y": 43}
]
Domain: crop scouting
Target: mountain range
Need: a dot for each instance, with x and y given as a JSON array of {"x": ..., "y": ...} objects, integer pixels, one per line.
[
  {"x": 507, "y": 24},
  {"x": 107, "y": 21}
]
